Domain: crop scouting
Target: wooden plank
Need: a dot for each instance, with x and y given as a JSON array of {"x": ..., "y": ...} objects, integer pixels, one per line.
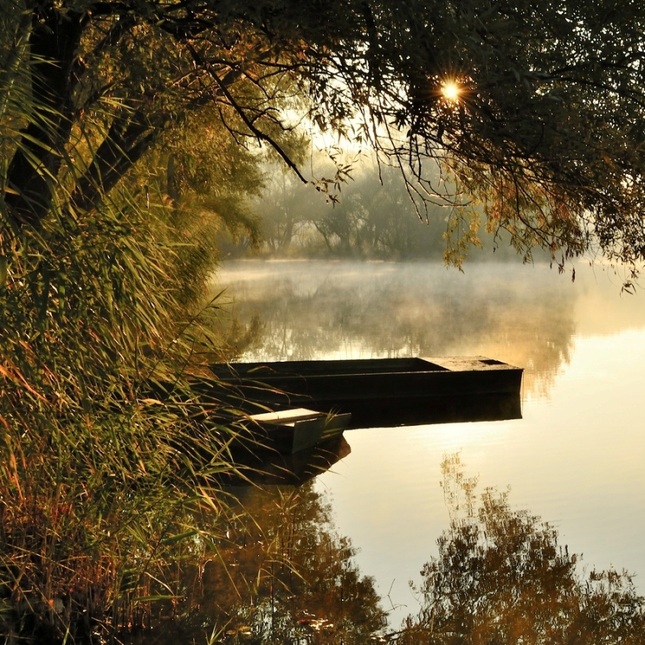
[
  {"x": 300, "y": 428},
  {"x": 287, "y": 416}
]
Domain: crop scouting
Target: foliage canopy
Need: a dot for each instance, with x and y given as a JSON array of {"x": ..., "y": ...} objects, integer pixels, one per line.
[{"x": 546, "y": 127}]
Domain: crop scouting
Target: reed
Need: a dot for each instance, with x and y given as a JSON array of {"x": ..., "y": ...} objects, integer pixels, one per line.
[
  {"x": 100, "y": 481},
  {"x": 103, "y": 481}
]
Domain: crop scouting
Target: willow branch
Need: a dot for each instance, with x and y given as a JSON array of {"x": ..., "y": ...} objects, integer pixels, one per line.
[{"x": 259, "y": 134}]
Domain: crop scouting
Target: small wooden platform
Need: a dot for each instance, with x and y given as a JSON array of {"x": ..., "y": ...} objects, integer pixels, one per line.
[{"x": 299, "y": 429}]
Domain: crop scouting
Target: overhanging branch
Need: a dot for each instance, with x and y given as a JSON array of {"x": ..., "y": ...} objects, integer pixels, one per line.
[{"x": 259, "y": 134}]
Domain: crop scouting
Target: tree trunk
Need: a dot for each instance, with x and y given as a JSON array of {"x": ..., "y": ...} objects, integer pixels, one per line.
[
  {"x": 31, "y": 175},
  {"x": 128, "y": 138}
]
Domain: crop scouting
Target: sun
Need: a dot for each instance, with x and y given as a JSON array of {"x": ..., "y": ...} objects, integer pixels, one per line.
[{"x": 451, "y": 91}]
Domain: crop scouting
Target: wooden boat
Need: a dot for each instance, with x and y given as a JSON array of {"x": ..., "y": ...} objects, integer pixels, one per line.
[{"x": 378, "y": 392}]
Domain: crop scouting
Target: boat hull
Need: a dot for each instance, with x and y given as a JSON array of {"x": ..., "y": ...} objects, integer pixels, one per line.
[{"x": 382, "y": 392}]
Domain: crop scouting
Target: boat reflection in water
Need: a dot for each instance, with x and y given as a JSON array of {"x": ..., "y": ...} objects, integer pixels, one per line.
[{"x": 269, "y": 466}]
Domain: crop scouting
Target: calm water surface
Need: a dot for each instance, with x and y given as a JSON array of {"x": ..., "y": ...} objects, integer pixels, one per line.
[{"x": 575, "y": 458}]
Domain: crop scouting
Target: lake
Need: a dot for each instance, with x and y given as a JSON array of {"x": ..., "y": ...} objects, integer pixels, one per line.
[{"x": 575, "y": 458}]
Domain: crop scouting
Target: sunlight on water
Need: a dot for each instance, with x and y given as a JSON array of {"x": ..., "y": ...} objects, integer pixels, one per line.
[{"x": 575, "y": 458}]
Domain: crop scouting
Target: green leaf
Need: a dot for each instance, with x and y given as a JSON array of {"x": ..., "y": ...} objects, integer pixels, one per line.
[
  {"x": 3, "y": 271},
  {"x": 179, "y": 537}
]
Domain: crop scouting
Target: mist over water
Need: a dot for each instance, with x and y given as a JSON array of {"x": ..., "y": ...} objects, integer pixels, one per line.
[
  {"x": 522, "y": 314},
  {"x": 574, "y": 459}
]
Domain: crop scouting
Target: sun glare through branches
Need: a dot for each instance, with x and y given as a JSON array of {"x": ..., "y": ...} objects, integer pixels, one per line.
[{"x": 451, "y": 91}]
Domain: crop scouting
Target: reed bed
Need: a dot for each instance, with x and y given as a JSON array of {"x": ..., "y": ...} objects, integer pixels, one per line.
[{"x": 101, "y": 478}]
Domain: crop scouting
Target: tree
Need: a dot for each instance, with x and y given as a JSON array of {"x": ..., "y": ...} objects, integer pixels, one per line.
[
  {"x": 286, "y": 208},
  {"x": 546, "y": 125},
  {"x": 203, "y": 183}
]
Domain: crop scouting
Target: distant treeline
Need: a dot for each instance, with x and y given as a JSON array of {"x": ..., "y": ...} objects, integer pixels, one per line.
[{"x": 369, "y": 215}]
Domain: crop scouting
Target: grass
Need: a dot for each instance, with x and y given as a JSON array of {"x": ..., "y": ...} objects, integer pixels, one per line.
[{"x": 100, "y": 482}]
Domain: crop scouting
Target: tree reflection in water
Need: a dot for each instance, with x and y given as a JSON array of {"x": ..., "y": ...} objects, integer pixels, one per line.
[
  {"x": 283, "y": 576},
  {"x": 501, "y": 577}
]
